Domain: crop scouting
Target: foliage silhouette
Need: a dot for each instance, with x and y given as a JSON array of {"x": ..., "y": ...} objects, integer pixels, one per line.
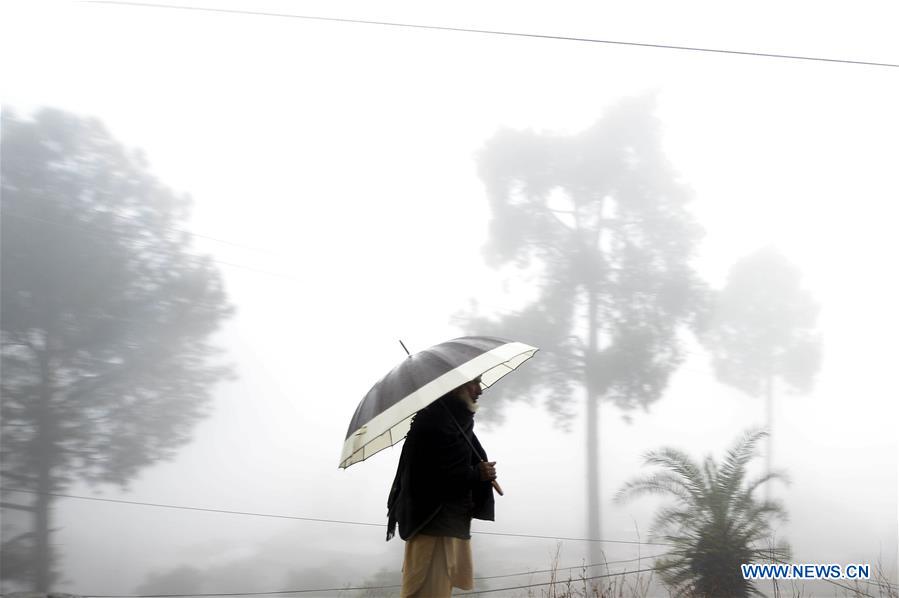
[
  {"x": 106, "y": 319},
  {"x": 762, "y": 329},
  {"x": 715, "y": 525},
  {"x": 599, "y": 219}
]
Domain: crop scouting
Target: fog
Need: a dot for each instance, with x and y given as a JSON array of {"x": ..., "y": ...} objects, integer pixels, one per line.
[{"x": 333, "y": 172}]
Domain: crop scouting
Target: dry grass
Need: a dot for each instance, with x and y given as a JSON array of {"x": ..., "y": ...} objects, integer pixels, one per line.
[
  {"x": 879, "y": 586},
  {"x": 623, "y": 585},
  {"x": 639, "y": 580},
  {"x": 644, "y": 584}
]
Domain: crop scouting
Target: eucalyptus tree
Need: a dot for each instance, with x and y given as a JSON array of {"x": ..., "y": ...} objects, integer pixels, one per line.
[
  {"x": 106, "y": 322},
  {"x": 762, "y": 331},
  {"x": 716, "y": 523},
  {"x": 599, "y": 221}
]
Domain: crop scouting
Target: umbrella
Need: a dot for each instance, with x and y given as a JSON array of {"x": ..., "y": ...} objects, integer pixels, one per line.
[{"x": 385, "y": 413}]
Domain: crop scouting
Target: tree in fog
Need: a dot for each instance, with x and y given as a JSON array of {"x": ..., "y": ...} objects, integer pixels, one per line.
[
  {"x": 762, "y": 330},
  {"x": 598, "y": 220},
  {"x": 106, "y": 321},
  {"x": 716, "y": 523}
]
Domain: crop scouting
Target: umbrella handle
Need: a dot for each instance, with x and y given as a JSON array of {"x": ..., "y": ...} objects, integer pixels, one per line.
[
  {"x": 497, "y": 487},
  {"x": 495, "y": 484}
]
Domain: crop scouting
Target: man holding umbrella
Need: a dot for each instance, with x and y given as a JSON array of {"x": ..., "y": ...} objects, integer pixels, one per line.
[
  {"x": 443, "y": 479},
  {"x": 441, "y": 483}
]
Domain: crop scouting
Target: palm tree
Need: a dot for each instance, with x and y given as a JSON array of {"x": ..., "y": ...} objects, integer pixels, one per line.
[{"x": 715, "y": 525}]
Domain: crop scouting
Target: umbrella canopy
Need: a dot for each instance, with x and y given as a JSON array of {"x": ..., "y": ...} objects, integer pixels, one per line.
[{"x": 385, "y": 413}]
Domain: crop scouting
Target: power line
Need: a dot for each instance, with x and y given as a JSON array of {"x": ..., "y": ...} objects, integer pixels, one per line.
[
  {"x": 186, "y": 508},
  {"x": 180, "y": 507},
  {"x": 349, "y": 588},
  {"x": 590, "y": 566},
  {"x": 313, "y": 519},
  {"x": 493, "y": 32},
  {"x": 357, "y": 588},
  {"x": 648, "y": 569},
  {"x": 845, "y": 587},
  {"x": 572, "y": 539},
  {"x": 471, "y": 593}
]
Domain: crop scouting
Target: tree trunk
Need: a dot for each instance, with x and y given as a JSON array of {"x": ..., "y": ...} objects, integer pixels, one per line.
[
  {"x": 594, "y": 515},
  {"x": 43, "y": 576},
  {"x": 44, "y": 448},
  {"x": 593, "y": 505},
  {"x": 769, "y": 427}
]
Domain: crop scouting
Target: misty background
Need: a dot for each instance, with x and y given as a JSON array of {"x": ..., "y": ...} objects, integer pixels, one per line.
[{"x": 337, "y": 181}]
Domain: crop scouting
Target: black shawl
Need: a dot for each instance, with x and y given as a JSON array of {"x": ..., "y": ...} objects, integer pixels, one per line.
[{"x": 437, "y": 466}]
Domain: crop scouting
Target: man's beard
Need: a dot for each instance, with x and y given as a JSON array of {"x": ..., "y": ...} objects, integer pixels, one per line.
[{"x": 471, "y": 404}]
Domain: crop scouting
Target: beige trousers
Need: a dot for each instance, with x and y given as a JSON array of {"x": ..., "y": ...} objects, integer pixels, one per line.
[{"x": 434, "y": 564}]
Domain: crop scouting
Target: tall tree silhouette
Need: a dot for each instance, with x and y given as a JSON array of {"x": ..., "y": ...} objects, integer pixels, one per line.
[
  {"x": 762, "y": 330},
  {"x": 106, "y": 319},
  {"x": 601, "y": 217}
]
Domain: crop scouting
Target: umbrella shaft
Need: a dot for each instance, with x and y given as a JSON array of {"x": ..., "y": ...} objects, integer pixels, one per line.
[
  {"x": 464, "y": 435},
  {"x": 494, "y": 483}
]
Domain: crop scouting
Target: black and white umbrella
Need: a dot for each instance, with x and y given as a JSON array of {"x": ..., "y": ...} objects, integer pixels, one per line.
[{"x": 383, "y": 417}]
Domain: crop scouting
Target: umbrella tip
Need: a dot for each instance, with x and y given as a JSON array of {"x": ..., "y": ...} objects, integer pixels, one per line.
[{"x": 405, "y": 349}]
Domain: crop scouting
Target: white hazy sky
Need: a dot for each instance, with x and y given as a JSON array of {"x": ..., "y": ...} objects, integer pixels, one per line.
[{"x": 345, "y": 155}]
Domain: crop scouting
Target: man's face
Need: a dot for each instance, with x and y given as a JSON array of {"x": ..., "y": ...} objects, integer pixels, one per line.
[
  {"x": 469, "y": 392},
  {"x": 473, "y": 389}
]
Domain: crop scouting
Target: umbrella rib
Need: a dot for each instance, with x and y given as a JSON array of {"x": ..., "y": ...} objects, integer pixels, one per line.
[{"x": 505, "y": 365}]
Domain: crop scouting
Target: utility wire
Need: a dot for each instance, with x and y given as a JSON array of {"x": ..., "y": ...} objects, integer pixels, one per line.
[
  {"x": 493, "y": 32},
  {"x": 387, "y": 587},
  {"x": 330, "y": 521},
  {"x": 344, "y": 589},
  {"x": 622, "y": 573},
  {"x": 845, "y": 587},
  {"x": 298, "y": 518},
  {"x": 572, "y": 539},
  {"x": 186, "y": 508},
  {"x": 472, "y": 593},
  {"x": 358, "y": 588},
  {"x": 856, "y": 591},
  {"x": 590, "y": 566},
  {"x": 379, "y": 525}
]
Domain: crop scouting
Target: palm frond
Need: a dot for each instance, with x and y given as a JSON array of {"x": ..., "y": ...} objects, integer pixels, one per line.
[
  {"x": 764, "y": 479},
  {"x": 678, "y": 462},
  {"x": 656, "y": 483},
  {"x": 733, "y": 469}
]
